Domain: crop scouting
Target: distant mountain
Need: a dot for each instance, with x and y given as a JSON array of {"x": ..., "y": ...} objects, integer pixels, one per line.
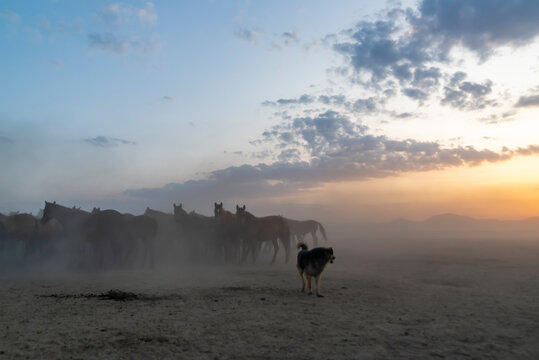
[{"x": 453, "y": 225}]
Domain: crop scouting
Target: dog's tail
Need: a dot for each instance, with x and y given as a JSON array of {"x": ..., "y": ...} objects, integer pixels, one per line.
[{"x": 302, "y": 246}]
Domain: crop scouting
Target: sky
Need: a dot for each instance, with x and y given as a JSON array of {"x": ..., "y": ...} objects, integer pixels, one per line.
[{"x": 345, "y": 110}]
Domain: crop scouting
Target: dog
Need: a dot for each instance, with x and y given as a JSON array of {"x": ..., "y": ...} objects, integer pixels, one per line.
[{"x": 312, "y": 263}]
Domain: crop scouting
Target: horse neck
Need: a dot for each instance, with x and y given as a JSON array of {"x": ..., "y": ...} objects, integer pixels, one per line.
[
  {"x": 226, "y": 217},
  {"x": 63, "y": 214}
]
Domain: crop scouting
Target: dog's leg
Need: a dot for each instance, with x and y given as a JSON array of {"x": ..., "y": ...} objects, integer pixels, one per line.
[
  {"x": 317, "y": 281},
  {"x": 302, "y": 279},
  {"x": 315, "y": 239},
  {"x": 309, "y": 284}
]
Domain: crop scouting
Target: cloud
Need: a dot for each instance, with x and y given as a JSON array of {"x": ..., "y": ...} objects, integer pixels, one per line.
[
  {"x": 498, "y": 118},
  {"x": 477, "y": 25},
  {"x": 304, "y": 99},
  {"x": 105, "y": 141},
  {"x": 416, "y": 94},
  {"x": 10, "y": 16},
  {"x": 289, "y": 38},
  {"x": 111, "y": 43},
  {"x": 147, "y": 13},
  {"x": 247, "y": 35},
  {"x": 528, "y": 101},
  {"x": 167, "y": 99},
  {"x": 409, "y": 46},
  {"x": 467, "y": 95},
  {"x": 120, "y": 13},
  {"x": 326, "y": 148},
  {"x": 5, "y": 139}
]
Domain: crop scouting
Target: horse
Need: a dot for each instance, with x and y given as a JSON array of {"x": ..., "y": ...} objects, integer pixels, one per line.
[
  {"x": 200, "y": 229},
  {"x": 228, "y": 230},
  {"x": 75, "y": 225},
  {"x": 299, "y": 229},
  {"x": 50, "y": 234},
  {"x": 169, "y": 234},
  {"x": 144, "y": 228},
  {"x": 20, "y": 227},
  {"x": 257, "y": 230},
  {"x": 110, "y": 228}
]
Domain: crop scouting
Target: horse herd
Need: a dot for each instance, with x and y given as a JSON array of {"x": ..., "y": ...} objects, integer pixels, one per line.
[{"x": 109, "y": 239}]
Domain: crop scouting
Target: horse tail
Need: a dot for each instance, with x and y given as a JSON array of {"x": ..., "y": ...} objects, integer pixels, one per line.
[
  {"x": 302, "y": 246},
  {"x": 322, "y": 230}
]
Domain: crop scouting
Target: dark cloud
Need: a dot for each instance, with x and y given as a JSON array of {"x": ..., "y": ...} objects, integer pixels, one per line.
[
  {"x": 365, "y": 105},
  {"x": 167, "y": 99},
  {"x": 105, "y": 141},
  {"x": 338, "y": 150},
  {"x": 467, "y": 95},
  {"x": 416, "y": 94},
  {"x": 426, "y": 78},
  {"x": 110, "y": 42},
  {"x": 528, "y": 101},
  {"x": 479, "y": 25},
  {"x": 332, "y": 100},
  {"x": 246, "y": 35},
  {"x": 403, "y": 45},
  {"x": 289, "y": 38},
  {"x": 303, "y": 99}
]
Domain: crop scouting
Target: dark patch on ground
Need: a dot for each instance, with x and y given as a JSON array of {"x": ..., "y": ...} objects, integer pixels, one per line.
[{"x": 116, "y": 295}]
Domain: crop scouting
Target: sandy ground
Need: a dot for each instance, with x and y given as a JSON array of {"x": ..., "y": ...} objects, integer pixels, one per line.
[{"x": 441, "y": 302}]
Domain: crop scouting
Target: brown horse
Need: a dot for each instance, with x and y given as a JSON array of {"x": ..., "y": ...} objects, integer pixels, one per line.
[
  {"x": 74, "y": 222},
  {"x": 200, "y": 230},
  {"x": 144, "y": 229},
  {"x": 257, "y": 230},
  {"x": 20, "y": 227},
  {"x": 50, "y": 234},
  {"x": 169, "y": 238},
  {"x": 109, "y": 228},
  {"x": 299, "y": 229},
  {"x": 228, "y": 230}
]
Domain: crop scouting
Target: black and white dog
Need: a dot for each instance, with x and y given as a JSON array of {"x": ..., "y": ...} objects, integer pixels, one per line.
[{"x": 312, "y": 263}]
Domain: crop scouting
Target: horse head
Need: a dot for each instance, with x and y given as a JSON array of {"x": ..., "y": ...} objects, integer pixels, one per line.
[
  {"x": 217, "y": 209},
  {"x": 241, "y": 214}
]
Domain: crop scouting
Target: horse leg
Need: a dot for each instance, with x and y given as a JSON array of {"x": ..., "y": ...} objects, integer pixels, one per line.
[
  {"x": 315, "y": 239},
  {"x": 246, "y": 249},
  {"x": 275, "y": 249},
  {"x": 286, "y": 244}
]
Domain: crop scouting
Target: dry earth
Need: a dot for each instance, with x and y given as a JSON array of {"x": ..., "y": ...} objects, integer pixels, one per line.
[{"x": 456, "y": 301}]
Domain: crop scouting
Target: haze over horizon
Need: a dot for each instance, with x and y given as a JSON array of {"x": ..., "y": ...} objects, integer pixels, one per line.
[{"x": 356, "y": 110}]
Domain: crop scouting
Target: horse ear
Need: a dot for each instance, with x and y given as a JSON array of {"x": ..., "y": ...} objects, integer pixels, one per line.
[
  {"x": 237, "y": 207},
  {"x": 54, "y": 202},
  {"x": 221, "y": 205},
  {"x": 243, "y": 207},
  {"x": 174, "y": 204},
  {"x": 180, "y": 205}
]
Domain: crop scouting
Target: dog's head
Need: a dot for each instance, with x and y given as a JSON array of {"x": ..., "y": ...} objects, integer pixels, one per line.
[{"x": 329, "y": 253}]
